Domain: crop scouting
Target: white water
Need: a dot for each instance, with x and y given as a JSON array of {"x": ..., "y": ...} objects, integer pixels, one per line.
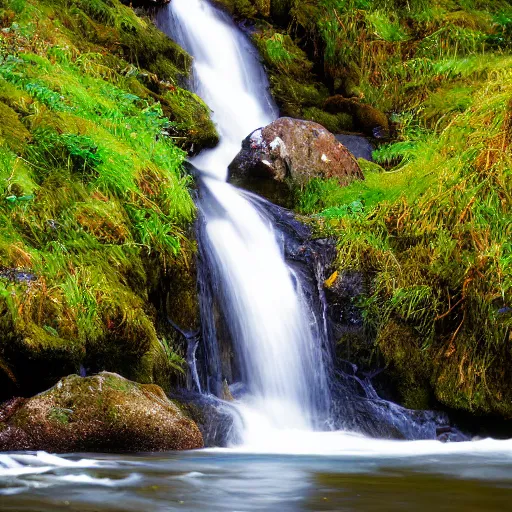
[{"x": 269, "y": 321}]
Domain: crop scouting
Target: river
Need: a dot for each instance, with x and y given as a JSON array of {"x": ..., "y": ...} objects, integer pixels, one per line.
[{"x": 382, "y": 475}]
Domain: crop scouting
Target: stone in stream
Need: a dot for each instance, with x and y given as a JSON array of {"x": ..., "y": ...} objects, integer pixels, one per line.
[
  {"x": 102, "y": 413},
  {"x": 288, "y": 153}
]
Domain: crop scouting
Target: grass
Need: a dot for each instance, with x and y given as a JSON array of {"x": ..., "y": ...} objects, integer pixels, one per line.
[
  {"x": 390, "y": 54},
  {"x": 430, "y": 224},
  {"x": 433, "y": 229},
  {"x": 93, "y": 199}
]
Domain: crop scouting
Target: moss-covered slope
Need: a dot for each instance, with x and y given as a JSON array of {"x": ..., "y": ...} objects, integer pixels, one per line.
[
  {"x": 94, "y": 205},
  {"x": 389, "y": 54},
  {"x": 432, "y": 226}
]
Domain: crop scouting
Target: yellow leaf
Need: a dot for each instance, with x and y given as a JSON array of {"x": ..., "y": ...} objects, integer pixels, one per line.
[{"x": 330, "y": 281}]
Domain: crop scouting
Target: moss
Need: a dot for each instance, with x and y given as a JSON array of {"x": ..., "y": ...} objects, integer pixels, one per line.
[
  {"x": 369, "y": 167},
  {"x": 431, "y": 228},
  {"x": 12, "y": 131},
  {"x": 98, "y": 204},
  {"x": 102, "y": 413},
  {"x": 367, "y": 119},
  {"x": 335, "y": 123},
  {"x": 117, "y": 384},
  {"x": 293, "y": 95},
  {"x": 60, "y": 415},
  {"x": 240, "y": 8},
  {"x": 292, "y": 81},
  {"x": 192, "y": 118},
  {"x": 409, "y": 366}
]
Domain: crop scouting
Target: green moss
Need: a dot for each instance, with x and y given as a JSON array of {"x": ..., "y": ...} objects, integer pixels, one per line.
[
  {"x": 292, "y": 82},
  {"x": 100, "y": 413},
  {"x": 386, "y": 52},
  {"x": 94, "y": 204},
  {"x": 335, "y": 123},
  {"x": 369, "y": 167},
  {"x": 117, "y": 384},
  {"x": 12, "y": 131},
  {"x": 60, "y": 415},
  {"x": 240, "y": 8},
  {"x": 409, "y": 366},
  {"x": 432, "y": 230}
]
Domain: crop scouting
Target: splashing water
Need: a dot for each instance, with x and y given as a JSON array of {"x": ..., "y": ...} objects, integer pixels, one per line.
[{"x": 272, "y": 328}]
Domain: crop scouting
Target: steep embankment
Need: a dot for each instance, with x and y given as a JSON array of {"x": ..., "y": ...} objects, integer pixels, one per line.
[
  {"x": 94, "y": 206},
  {"x": 431, "y": 229}
]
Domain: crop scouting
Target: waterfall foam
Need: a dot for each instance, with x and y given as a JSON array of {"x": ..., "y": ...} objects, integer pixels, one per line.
[{"x": 271, "y": 327}]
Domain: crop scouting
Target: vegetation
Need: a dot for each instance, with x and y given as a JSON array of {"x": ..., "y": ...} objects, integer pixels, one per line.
[
  {"x": 431, "y": 223},
  {"x": 94, "y": 205}
]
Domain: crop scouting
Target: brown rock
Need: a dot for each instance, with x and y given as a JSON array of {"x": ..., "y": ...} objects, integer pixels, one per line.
[
  {"x": 289, "y": 153},
  {"x": 102, "y": 413}
]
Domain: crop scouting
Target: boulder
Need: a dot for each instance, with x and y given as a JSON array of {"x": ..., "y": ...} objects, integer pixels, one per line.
[
  {"x": 288, "y": 153},
  {"x": 367, "y": 119},
  {"x": 102, "y": 413}
]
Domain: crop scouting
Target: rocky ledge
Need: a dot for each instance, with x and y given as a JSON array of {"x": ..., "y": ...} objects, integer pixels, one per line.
[{"x": 102, "y": 413}]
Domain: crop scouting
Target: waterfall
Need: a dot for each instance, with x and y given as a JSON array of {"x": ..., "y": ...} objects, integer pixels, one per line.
[{"x": 273, "y": 331}]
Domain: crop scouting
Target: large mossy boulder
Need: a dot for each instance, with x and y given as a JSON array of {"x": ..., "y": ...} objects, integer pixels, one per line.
[
  {"x": 286, "y": 155},
  {"x": 102, "y": 413}
]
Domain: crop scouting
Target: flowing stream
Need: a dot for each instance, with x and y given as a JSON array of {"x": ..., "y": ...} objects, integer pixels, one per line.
[
  {"x": 273, "y": 331},
  {"x": 285, "y": 452}
]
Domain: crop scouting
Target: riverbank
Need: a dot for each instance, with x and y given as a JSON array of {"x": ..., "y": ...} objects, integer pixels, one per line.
[{"x": 95, "y": 208}]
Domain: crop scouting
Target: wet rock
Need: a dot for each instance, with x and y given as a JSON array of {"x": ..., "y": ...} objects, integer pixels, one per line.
[
  {"x": 359, "y": 146},
  {"x": 16, "y": 275},
  {"x": 367, "y": 119},
  {"x": 288, "y": 153},
  {"x": 357, "y": 407},
  {"x": 217, "y": 419},
  {"x": 102, "y": 413},
  {"x": 343, "y": 291}
]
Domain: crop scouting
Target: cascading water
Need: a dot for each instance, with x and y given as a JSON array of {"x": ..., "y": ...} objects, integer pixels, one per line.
[
  {"x": 262, "y": 306},
  {"x": 276, "y": 319},
  {"x": 274, "y": 333}
]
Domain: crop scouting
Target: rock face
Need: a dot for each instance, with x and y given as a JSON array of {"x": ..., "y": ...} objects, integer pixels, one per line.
[
  {"x": 103, "y": 413},
  {"x": 289, "y": 153}
]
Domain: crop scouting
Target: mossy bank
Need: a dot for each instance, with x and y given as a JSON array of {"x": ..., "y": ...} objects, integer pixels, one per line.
[{"x": 95, "y": 209}]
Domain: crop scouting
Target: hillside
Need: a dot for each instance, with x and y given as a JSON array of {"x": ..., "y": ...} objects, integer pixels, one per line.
[{"x": 94, "y": 208}]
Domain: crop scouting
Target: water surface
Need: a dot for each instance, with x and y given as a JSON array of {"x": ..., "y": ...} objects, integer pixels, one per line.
[{"x": 424, "y": 476}]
